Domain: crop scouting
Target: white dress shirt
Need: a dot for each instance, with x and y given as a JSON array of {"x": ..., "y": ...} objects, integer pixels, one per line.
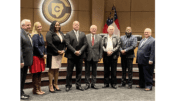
[
  {"x": 109, "y": 44},
  {"x": 77, "y": 34},
  {"x": 91, "y": 37}
]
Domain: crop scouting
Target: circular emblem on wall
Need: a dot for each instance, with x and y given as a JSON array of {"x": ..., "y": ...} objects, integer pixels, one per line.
[{"x": 59, "y": 10}]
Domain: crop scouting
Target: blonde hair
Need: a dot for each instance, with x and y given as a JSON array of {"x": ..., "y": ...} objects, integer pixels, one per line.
[{"x": 34, "y": 31}]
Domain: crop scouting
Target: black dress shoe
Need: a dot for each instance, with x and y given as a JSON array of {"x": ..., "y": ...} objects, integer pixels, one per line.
[
  {"x": 86, "y": 87},
  {"x": 56, "y": 88},
  {"x": 94, "y": 87},
  {"x": 79, "y": 88},
  {"x": 26, "y": 95},
  {"x": 23, "y": 97},
  {"x": 130, "y": 87},
  {"x": 115, "y": 87},
  {"x": 122, "y": 85},
  {"x": 105, "y": 86},
  {"x": 67, "y": 89}
]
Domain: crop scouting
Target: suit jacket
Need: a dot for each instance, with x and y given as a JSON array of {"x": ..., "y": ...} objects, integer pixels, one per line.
[
  {"x": 116, "y": 45},
  {"x": 26, "y": 49},
  {"x": 39, "y": 46},
  {"x": 54, "y": 43},
  {"x": 74, "y": 45},
  {"x": 146, "y": 52},
  {"x": 94, "y": 52},
  {"x": 128, "y": 44}
]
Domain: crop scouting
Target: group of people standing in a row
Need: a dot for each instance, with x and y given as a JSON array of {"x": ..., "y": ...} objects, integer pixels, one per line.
[{"x": 78, "y": 47}]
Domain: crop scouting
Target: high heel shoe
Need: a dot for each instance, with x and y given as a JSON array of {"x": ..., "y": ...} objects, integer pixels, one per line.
[
  {"x": 56, "y": 88},
  {"x": 50, "y": 90},
  {"x": 37, "y": 92}
]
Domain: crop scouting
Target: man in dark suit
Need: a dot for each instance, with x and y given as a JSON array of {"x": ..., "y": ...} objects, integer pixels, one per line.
[
  {"x": 146, "y": 60},
  {"x": 128, "y": 44},
  {"x": 76, "y": 45},
  {"x": 93, "y": 55},
  {"x": 26, "y": 53}
]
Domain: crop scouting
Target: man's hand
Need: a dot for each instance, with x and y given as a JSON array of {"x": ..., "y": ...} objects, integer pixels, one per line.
[
  {"x": 22, "y": 65},
  {"x": 123, "y": 52},
  {"x": 109, "y": 53},
  {"x": 150, "y": 62},
  {"x": 77, "y": 53}
]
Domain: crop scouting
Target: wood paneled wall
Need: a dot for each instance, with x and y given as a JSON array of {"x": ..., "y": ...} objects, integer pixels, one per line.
[{"x": 139, "y": 14}]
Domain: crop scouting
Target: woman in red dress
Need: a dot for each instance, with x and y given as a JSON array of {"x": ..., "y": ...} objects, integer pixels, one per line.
[{"x": 38, "y": 58}]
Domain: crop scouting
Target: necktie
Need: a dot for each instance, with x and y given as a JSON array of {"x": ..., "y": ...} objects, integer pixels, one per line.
[
  {"x": 29, "y": 38},
  {"x": 143, "y": 42},
  {"x": 92, "y": 40},
  {"x": 77, "y": 35}
]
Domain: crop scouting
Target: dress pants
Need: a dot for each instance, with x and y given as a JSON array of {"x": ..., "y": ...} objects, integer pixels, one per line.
[
  {"x": 36, "y": 79},
  {"x": 23, "y": 78},
  {"x": 108, "y": 62},
  {"x": 71, "y": 63},
  {"x": 126, "y": 63},
  {"x": 146, "y": 75},
  {"x": 89, "y": 64}
]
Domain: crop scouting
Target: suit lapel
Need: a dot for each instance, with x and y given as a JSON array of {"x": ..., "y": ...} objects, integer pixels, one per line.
[
  {"x": 74, "y": 36},
  {"x": 89, "y": 39},
  {"x": 27, "y": 37},
  {"x": 147, "y": 41}
]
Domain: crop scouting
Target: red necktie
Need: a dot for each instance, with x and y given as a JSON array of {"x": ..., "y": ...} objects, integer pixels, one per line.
[{"x": 92, "y": 40}]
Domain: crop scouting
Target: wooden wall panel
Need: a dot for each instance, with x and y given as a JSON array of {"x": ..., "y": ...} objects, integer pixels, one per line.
[
  {"x": 142, "y": 20},
  {"x": 143, "y": 5},
  {"x": 27, "y": 13},
  {"x": 84, "y": 5},
  {"x": 26, "y": 3},
  {"x": 121, "y": 5},
  {"x": 84, "y": 19}
]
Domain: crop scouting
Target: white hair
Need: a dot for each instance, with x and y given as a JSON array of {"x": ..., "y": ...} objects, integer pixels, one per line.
[
  {"x": 24, "y": 21},
  {"x": 148, "y": 29},
  {"x": 75, "y": 21},
  {"x": 92, "y": 26}
]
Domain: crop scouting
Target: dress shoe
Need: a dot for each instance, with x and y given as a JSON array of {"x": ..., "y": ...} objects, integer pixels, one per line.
[
  {"x": 148, "y": 89},
  {"x": 122, "y": 85},
  {"x": 130, "y": 87},
  {"x": 105, "y": 86},
  {"x": 57, "y": 89},
  {"x": 23, "y": 97},
  {"x": 115, "y": 87},
  {"x": 94, "y": 86},
  {"x": 67, "y": 89},
  {"x": 79, "y": 88},
  {"x": 86, "y": 87},
  {"x": 26, "y": 95}
]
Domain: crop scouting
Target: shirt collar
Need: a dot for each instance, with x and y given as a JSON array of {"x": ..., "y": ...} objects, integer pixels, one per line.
[{"x": 75, "y": 31}]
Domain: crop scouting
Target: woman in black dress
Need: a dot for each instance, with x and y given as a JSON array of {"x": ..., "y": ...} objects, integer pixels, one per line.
[{"x": 56, "y": 47}]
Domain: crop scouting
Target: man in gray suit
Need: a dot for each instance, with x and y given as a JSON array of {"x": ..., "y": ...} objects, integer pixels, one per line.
[
  {"x": 128, "y": 44},
  {"x": 93, "y": 55},
  {"x": 26, "y": 53}
]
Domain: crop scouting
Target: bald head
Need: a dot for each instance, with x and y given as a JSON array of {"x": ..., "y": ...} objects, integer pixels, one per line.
[
  {"x": 128, "y": 29},
  {"x": 110, "y": 30},
  {"x": 76, "y": 25},
  {"x": 93, "y": 29},
  {"x": 147, "y": 32}
]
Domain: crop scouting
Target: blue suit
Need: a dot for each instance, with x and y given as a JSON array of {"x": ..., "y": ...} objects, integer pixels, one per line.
[
  {"x": 146, "y": 53},
  {"x": 39, "y": 45}
]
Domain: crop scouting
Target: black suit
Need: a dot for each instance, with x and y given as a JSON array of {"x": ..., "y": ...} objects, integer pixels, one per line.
[
  {"x": 74, "y": 45},
  {"x": 110, "y": 61},
  {"x": 26, "y": 56}
]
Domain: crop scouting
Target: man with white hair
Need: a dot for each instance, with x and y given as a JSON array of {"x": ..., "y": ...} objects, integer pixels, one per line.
[
  {"x": 146, "y": 60},
  {"x": 128, "y": 44},
  {"x": 76, "y": 45},
  {"x": 93, "y": 55},
  {"x": 111, "y": 45},
  {"x": 26, "y": 53}
]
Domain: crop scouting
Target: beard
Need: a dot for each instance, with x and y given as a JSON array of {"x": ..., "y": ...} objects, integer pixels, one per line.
[{"x": 128, "y": 34}]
